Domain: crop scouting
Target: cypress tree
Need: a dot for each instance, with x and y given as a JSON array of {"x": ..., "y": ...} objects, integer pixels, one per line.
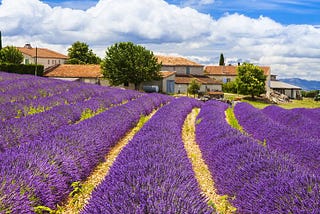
[
  {"x": 221, "y": 61},
  {"x": 0, "y": 41}
]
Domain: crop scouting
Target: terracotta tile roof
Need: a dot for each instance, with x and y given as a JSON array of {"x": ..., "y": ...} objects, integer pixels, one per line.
[
  {"x": 229, "y": 70},
  {"x": 207, "y": 80},
  {"x": 176, "y": 61},
  {"x": 74, "y": 71},
  {"x": 166, "y": 74},
  {"x": 186, "y": 79},
  {"x": 41, "y": 53}
]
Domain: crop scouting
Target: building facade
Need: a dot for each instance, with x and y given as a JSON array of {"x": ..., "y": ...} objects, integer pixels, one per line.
[{"x": 41, "y": 56}]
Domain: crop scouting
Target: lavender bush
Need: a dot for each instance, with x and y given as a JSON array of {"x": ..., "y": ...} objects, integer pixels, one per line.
[
  {"x": 153, "y": 174},
  {"x": 301, "y": 146},
  {"x": 39, "y": 172},
  {"x": 298, "y": 119},
  {"x": 256, "y": 179}
]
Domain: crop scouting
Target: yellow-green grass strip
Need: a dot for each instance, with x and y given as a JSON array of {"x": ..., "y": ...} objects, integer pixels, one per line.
[{"x": 232, "y": 120}]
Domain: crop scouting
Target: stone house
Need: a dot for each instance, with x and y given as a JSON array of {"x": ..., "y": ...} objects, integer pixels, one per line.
[
  {"x": 185, "y": 71},
  {"x": 41, "y": 56},
  {"x": 229, "y": 73}
]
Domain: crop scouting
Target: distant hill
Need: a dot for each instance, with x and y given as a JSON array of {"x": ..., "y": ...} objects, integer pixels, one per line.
[{"x": 306, "y": 85}]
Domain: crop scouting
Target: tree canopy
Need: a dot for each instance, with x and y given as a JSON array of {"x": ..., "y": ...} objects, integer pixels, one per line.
[
  {"x": 79, "y": 53},
  {"x": 126, "y": 62},
  {"x": 250, "y": 80},
  {"x": 194, "y": 87},
  {"x": 11, "y": 54}
]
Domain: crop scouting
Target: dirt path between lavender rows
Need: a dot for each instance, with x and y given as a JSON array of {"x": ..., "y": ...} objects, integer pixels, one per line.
[{"x": 200, "y": 168}]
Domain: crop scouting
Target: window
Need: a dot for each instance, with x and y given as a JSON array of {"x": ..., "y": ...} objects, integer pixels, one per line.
[
  {"x": 48, "y": 61},
  {"x": 26, "y": 61},
  {"x": 188, "y": 70},
  {"x": 126, "y": 84}
]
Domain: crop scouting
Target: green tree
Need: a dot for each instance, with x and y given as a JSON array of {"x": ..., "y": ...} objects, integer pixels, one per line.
[
  {"x": 230, "y": 87},
  {"x": 221, "y": 60},
  {"x": 194, "y": 87},
  {"x": 250, "y": 80},
  {"x": 11, "y": 54},
  {"x": 126, "y": 62},
  {"x": 79, "y": 53}
]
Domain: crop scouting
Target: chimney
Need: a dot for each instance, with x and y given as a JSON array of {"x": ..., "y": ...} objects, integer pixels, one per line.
[{"x": 28, "y": 45}]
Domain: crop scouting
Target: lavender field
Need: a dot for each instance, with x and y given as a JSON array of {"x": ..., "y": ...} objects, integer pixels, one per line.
[{"x": 55, "y": 134}]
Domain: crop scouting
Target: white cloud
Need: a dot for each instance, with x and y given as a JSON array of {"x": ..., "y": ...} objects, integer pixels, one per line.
[{"x": 291, "y": 51}]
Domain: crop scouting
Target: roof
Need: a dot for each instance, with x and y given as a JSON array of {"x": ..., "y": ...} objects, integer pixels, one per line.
[
  {"x": 165, "y": 74},
  {"x": 186, "y": 79},
  {"x": 283, "y": 85},
  {"x": 176, "y": 61},
  {"x": 41, "y": 53},
  {"x": 74, "y": 71},
  {"x": 229, "y": 70}
]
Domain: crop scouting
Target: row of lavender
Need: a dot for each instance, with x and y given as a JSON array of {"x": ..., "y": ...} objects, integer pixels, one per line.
[
  {"x": 153, "y": 174},
  {"x": 257, "y": 179},
  {"x": 15, "y": 132},
  {"x": 25, "y": 87},
  {"x": 40, "y": 172},
  {"x": 56, "y": 93},
  {"x": 300, "y": 144},
  {"x": 305, "y": 121}
]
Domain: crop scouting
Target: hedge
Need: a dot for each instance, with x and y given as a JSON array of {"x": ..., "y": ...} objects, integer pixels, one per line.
[{"x": 22, "y": 68}]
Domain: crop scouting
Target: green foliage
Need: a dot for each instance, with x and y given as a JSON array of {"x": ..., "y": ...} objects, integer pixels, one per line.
[
  {"x": 88, "y": 113},
  {"x": 250, "y": 80},
  {"x": 310, "y": 94},
  {"x": 126, "y": 62},
  {"x": 77, "y": 188},
  {"x": 194, "y": 87},
  {"x": 198, "y": 121},
  {"x": 221, "y": 60},
  {"x": 43, "y": 209},
  {"x": 79, "y": 53},
  {"x": 22, "y": 69},
  {"x": 11, "y": 54},
  {"x": 230, "y": 87},
  {"x": 224, "y": 206}
]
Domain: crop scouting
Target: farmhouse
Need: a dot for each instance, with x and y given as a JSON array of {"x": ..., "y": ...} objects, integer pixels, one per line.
[
  {"x": 229, "y": 73},
  {"x": 185, "y": 71},
  {"x": 41, "y": 56}
]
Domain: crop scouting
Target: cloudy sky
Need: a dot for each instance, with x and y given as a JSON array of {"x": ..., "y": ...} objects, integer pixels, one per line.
[{"x": 283, "y": 34}]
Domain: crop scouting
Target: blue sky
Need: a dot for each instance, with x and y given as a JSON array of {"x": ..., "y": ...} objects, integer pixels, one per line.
[
  {"x": 282, "y": 34},
  {"x": 283, "y": 11}
]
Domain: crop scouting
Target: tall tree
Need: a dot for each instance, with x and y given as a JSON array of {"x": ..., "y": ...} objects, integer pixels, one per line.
[
  {"x": 11, "y": 54},
  {"x": 250, "y": 80},
  {"x": 0, "y": 40},
  {"x": 126, "y": 62},
  {"x": 79, "y": 53},
  {"x": 194, "y": 87},
  {"x": 221, "y": 60}
]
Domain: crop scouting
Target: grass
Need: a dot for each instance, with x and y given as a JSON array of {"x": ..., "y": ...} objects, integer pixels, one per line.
[
  {"x": 305, "y": 103},
  {"x": 232, "y": 120}
]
